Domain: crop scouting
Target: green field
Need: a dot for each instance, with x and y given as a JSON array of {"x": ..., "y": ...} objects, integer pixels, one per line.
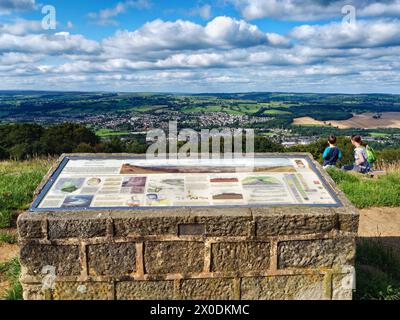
[
  {"x": 18, "y": 181},
  {"x": 274, "y": 112},
  {"x": 103, "y": 133}
]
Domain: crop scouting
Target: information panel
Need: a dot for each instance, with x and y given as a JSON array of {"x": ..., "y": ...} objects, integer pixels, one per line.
[{"x": 126, "y": 183}]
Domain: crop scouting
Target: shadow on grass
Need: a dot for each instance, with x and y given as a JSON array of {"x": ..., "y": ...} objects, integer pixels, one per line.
[{"x": 378, "y": 268}]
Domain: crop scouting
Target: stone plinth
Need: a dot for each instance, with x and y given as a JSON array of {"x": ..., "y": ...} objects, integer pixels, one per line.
[{"x": 245, "y": 252}]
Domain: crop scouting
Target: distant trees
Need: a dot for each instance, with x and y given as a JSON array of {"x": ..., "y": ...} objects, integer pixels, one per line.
[
  {"x": 263, "y": 144},
  {"x": 23, "y": 141}
]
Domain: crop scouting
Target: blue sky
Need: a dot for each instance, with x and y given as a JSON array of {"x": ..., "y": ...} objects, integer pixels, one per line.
[{"x": 202, "y": 46}]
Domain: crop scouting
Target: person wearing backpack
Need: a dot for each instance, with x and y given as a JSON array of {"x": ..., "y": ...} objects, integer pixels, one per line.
[{"x": 362, "y": 162}]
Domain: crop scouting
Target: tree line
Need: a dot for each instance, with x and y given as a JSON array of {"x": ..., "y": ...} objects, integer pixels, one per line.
[{"x": 26, "y": 141}]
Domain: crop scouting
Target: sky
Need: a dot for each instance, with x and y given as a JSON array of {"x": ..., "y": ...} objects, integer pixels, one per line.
[{"x": 193, "y": 46}]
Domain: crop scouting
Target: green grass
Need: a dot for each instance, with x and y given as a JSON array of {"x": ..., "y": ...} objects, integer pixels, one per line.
[
  {"x": 365, "y": 192},
  {"x": 211, "y": 108},
  {"x": 379, "y": 135},
  {"x": 18, "y": 181},
  {"x": 378, "y": 272},
  {"x": 145, "y": 109},
  {"x": 7, "y": 237},
  {"x": 12, "y": 271},
  {"x": 274, "y": 112},
  {"x": 102, "y": 133}
]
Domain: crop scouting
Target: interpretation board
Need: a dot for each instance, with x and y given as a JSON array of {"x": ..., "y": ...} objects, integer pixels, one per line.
[{"x": 118, "y": 183}]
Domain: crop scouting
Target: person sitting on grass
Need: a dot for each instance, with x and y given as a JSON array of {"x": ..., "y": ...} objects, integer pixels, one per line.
[
  {"x": 361, "y": 163},
  {"x": 332, "y": 153}
]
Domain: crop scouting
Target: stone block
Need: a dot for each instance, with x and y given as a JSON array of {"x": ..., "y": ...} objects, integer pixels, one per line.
[
  {"x": 300, "y": 221},
  {"x": 83, "y": 291},
  {"x": 62, "y": 228},
  {"x": 298, "y": 287},
  {"x": 342, "y": 286},
  {"x": 145, "y": 290},
  {"x": 240, "y": 256},
  {"x": 30, "y": 227},
  {"x": 348, "y": 221},
  {"x": 65, "y": 259},
  {"x": 173, "y": 257},
  {"x": 322, "y": 253},
  {"x": 207, "y": 289},
  {"x": 113, "y": 259},
  {"x": 149, "y": 222},
  {"x": 35, "y": 292},
  {"x": 225, "y": 222}
]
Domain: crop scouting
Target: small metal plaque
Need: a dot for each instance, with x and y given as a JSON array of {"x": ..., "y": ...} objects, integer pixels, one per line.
[{"x": 192, "y": 229}]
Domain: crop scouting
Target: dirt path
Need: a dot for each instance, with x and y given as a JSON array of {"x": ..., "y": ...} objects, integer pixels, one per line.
[{"x": 382, "y": 223}]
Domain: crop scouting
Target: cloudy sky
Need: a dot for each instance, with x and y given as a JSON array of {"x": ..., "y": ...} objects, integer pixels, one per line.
[{"x": 348, "y": 46}]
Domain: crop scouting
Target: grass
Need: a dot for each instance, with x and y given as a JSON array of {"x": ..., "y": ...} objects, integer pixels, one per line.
[
  {"x": 365, "y": 192},
  {"x": 103, "y": 133},
  {"x": 18, "y": 181},
  {"x": 7, "y": 237},
  {"x": 12, "y": 271},
  {"x": 378, "y": 272}
]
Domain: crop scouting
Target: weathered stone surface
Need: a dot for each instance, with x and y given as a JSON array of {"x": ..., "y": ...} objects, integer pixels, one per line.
[
  {"x": 173, "y": 257},
  {"x": 30, "y": 228},
  {"x": 207, "y": 289},
  {"x": 299, "y": 287},
  {"x": 348, "y": 222},
  {"x": 112, "y": 258},
  {"x": 240, "y": 256},
  {"x": 342, "y": 286},
  {"x": 62, "y": 228},
  {"x": 316, "y": 253},
  {"x": 35, "y": 292},
  {"x": 145, "y": 290},
  {"x": 218, "y": 222},
  {"x": 149, "y": 222},
  {"x": 225, "y": 222},
  {"x": 274, "y": 222},
  {"x": 82, "y": 291},
  {"x": 65, "y": 258}
]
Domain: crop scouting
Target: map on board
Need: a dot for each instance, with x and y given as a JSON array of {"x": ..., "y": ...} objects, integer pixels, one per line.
[{"x": 134, "y": 183}]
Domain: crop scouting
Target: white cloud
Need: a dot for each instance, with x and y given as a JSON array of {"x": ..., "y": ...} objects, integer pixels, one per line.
[
  {"x": 21, "y": 27},
  {"x": 363, "y": 34},
  {"x": 163, "y": 37},
  {"x": 59, "y": 43},
  {"x": 104, "y": 17},
  {"x": 225, "y": 54},
  {"x": 307, "y": 10}
]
